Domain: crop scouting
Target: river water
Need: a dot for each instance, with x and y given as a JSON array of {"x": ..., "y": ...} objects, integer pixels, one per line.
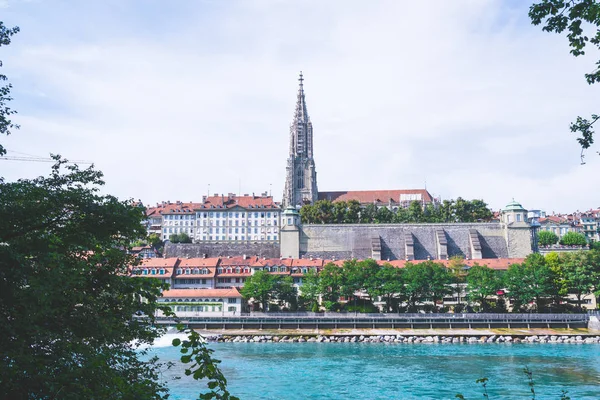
[{"x": 395, "y": 371}]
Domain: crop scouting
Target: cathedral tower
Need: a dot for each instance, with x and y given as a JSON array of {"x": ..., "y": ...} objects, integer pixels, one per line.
[{"x": 301, "y": 176}]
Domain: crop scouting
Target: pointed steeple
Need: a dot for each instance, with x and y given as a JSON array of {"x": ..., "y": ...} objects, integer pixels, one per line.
[
  {"x": 301, "y": 115},
  {"x": 301, "y": 177}
]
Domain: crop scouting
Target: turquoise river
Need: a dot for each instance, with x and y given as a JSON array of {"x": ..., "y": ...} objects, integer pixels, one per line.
[{"x": 395, "y": 371}]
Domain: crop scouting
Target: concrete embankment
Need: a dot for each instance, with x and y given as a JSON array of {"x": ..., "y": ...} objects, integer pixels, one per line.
[{"x": 473, "y": 338}]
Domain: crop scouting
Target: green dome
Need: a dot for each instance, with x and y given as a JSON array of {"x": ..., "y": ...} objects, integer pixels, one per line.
[
  {"x": 514, "y": 206},
  {"x": 290, "y": 211}
]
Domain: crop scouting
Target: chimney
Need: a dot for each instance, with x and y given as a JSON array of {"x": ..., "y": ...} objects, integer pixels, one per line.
[
  {"x": 204, "y": 199},
  {"x": 204, "y": 255},
  {"x": 244, "y": 257}
]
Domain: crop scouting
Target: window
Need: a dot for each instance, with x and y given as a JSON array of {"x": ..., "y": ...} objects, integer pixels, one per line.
[
  {"x": 518, "y": 217},
  {"x": 161, "y": 272},
  {"x": 178, "y": 271},
  {"x": 204, "y": 281},
  {"x": 232, "y": 300}
]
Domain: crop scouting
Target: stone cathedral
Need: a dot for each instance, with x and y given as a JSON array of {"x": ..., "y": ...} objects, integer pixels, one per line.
[{"x": 301, "y": 175}]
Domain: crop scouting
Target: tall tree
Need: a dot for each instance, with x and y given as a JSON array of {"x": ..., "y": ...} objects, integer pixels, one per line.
[
  {"x": 261, "y": 288},
  {"x": 531, "y": 281},
  {"x": 390, "y": 284},
  {"x": 416, "y": 285},
  {"x": 5, "y": 112},
  {"x": 582, "y": 273},
  {"x": 439, "y": 279},
  {"x": 368, "y": 213},
  {"x": 482, "y": 283},
  {"x": 66, "y": 301},
  {"x": 330, "y": 281},
  {"x": 285, "y": 292},
  {"x": 580, "y": 18},
  {"x": 310, "y": 290}
]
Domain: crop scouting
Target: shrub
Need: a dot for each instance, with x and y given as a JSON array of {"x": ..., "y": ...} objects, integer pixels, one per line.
[
  {"x": 573, "y": 239},
  {"x": 547, "y": 238}
]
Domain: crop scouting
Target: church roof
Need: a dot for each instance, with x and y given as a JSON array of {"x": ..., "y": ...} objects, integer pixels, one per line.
[{"x": 378, "y": 196}]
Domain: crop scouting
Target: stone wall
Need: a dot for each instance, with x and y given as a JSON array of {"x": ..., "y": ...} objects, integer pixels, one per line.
[
  {"x": 199, "y": 250},
  {"x": 518, "y": 242},
  {"x": 355, "y": 240}
]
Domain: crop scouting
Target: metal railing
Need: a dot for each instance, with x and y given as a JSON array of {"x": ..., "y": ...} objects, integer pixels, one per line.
[{"x": 416, "y": 317}]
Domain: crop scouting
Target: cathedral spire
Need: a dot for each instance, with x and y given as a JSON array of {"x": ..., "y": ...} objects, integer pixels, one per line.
[
  {"x": 301, "y": 177},
  {"x": 301, "y": 114}
]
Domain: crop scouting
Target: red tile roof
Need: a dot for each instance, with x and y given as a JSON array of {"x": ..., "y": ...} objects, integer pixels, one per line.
[
  {"x": 199, "y": 262},
  {"x": 375, "y": 196},
  {"x": 307, "y": 262},
  {"x": 268, "y": 262},
  {"x": 159, "y": 262},
  {"x": 229, "y": 292},
  {"x": 237, "y": 261},
  {"x": 238, "y": 201}
]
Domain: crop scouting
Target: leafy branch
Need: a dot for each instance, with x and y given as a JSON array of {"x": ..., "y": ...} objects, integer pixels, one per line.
[
  {"x": 202, "y": 365},
  {"x": 573, "y": 16}
]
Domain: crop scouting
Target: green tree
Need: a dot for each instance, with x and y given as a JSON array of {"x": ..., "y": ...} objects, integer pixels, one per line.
[
  {"x": 324, "y": 212},
  {"x": 368, "y": 213},
  {"x": 531, "y": 281},
  {"x": 415, "y": 287},
  {"x": 5, "y": 112},
  {"x": 307, "y": 214},
  {"x": 330, "y": 282},
  {"x": 180, "y": 238},
  {"x": 415, "y": 212},
  {"x": 260, "y": 287},
  {"x": 339, "y": 212},
  {"x": 547, "y": 238},
  {"x": 580, "y": 19},
  {"x": 310, "y": 290},
  {"x": 366, "y": 277},
  {"x": 573, "y": 239},
  {"x": 390, "y": 284},
  {"x": 353, "y": 212},
  {"x": 384, "y": 216},
  {"x": 582, "y": 273},
  {"x": 65, "y": 298},
  {"x": 285, "y": 292},
  {"x": 401, "y": 216},
  {"x": 439, "y": 279},
  {"x": 154, "y": 240},
  {"x": 482, "y": 282}
]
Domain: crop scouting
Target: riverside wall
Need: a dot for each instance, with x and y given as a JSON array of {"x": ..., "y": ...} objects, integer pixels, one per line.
[
  {"x": 345, "y": 241},
  {"x": 404, "y": 339}
]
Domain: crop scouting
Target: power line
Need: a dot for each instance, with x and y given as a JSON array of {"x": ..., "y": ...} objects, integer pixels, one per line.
[{"x": 32, "y": 158}]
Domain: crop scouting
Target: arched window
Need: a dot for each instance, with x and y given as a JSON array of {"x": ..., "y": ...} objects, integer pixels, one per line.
[
  {"x": 229, "y": 270},
  {"x": 153, "y": 271},
  {"x": 220, "y": 270},
  {"x": 179, "y": 271},
  {"x": 196, "y": 271},
  {"x": 237, "y": 270},
  {"x": 161, "y": 271},
  {"x": 187, "y": 271},
  {"x": 221, "y": 300}
]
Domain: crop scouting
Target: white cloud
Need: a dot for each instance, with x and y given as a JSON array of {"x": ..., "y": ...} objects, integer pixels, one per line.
[{"x": 465, "y": 95}]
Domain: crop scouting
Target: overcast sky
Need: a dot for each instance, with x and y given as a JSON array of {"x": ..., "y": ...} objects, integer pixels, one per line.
[{"x": 167, "y": 98}]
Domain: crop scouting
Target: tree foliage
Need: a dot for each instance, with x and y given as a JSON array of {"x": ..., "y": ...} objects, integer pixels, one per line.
[
  {"x": 530, "y": 282},
  {"x": 573, "y": 239},
  {"x": 65, "y": 299},
  {"x": 6, "y": 125},
  {"x": 547, "y": 238},
  {"x": 180, "y": 238},
  {"x": 482, "y": 283},
  {"x": 459, "y": 210},
  {"x": 581, "y": 21}
]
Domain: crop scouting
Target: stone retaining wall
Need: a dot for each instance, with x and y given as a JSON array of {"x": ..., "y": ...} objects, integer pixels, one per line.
[{"x": 573, "y": 339}]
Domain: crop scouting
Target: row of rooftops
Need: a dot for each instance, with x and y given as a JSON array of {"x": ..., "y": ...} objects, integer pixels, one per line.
[
  {"x": 214, "y": 202},
  {"x": 240, "y": 266}
]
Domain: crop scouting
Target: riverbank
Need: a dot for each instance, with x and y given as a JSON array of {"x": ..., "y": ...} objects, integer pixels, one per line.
[{"x": 578, "y": 339}]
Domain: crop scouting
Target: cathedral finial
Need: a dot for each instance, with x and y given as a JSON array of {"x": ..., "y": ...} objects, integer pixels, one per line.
[{"x": 301, "y": 79}]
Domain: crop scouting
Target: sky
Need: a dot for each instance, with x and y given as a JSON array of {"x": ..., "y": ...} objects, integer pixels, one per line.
[{"x": 173, "y": 100}]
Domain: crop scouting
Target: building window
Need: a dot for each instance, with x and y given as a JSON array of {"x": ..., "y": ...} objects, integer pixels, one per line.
[
  {"x": 518, "y": 217},
  {"x": 232, "y": 300}
]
